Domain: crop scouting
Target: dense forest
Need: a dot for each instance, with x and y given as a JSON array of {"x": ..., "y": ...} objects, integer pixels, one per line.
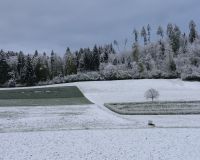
[{"x": 173, "y": 54}]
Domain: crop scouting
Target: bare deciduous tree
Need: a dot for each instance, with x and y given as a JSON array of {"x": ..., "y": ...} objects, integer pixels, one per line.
[{"x": 151, "y": 94}]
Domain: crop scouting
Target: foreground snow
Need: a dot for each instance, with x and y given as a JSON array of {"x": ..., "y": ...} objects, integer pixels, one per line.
[
  {"x": 137, "y": 144},
  {"x": 94, "y": 132}
]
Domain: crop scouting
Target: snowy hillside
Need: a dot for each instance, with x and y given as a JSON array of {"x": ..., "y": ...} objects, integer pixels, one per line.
[
  {"x": 133, "y": 90},
  {"x": 82, "y": 131}
]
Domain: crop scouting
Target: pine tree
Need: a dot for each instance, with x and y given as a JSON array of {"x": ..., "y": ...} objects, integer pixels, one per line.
[
  {"x": 117, "y": 45},
  {"x": 135, "y": 52},
  {"x": 144, "y": 35},
  {"x": 105, "y": 55},
  {"x": 29, "y": 77},
  {"x": 4, "y": 68},
  {"x": 81, "y": 65},
  {"x": 174, "y": 35},
  {"x": 41, "y": 70},
  {"x": 184, "y": 43},
  {"x": 96, "y": 58},
  {"x": 193, "y": 32},
  {"x": 70, "y": 63},
  {"x": 171, "y": 64},
  {"x": 54, "y": 71},
  {"x": 149, "y": 33},
  {"x": 169, "y": 30},
  {"x": 20, "y": 65},
  {"x": 135, "y": 32},
  {"x": 160, "y": 32},
  {"x": 175, "y": 39},
  {"x": 36, "y": 53}
]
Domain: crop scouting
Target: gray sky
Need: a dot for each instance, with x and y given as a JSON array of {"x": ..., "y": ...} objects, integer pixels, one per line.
[{"x": 55, "y": 24}]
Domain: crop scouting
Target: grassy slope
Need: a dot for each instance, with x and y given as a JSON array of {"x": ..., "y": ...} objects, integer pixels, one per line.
[{"x": 43, "y": 97}]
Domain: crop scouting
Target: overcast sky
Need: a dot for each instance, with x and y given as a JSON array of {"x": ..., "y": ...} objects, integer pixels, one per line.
[{"x": 55, "y": 24}]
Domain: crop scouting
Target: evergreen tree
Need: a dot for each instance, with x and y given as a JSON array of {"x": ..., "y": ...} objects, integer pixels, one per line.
[
  {"x": 117, "y": 45},
  {"x": 54, "y": 71},
  {"x": 20, "y": 65},
  {"x": 41, "y": 70},
  {"x": 4, "y": 68},
  {"x": 174, "y": 35},
  {"x": 160, "y": 32},
  {"x": 96, "y": 58},
  {"x": 193, "y": 32},
  {"x": 70, "y": 63},
  {"x": 171, "y": 64},
  {"x": 36, "y": 54},
  {"x": 169, "y": 30},
  {"x": 175, "y": 39},
  {"x": 135, "y": 32},
  {"x": 144, "y": 35},
  {"x": 135, "y": 52},
  {"x": 149, "y": 33},
  {"x": 105, "y": 55},
  {"x": 29, "y": 77},
  {"x": 184, "y": 43},
  {"x": 81, "y": 64}
]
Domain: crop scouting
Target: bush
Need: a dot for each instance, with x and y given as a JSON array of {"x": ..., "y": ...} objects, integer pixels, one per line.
[
  {"x": 89, "y": 76},
  {"x": 58, "y": 80},
  {"x": 11, "y": 83}
]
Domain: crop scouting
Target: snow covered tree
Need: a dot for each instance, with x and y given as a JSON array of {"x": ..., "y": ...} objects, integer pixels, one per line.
[
  {"x": 56, "y": 64},
  {"x": 151, "y": 94},
  {"x": 4, "y": 68},
  {"x": 174, "y": 35},
  {"x": 41, "y": 70},
  {"x": 149, "y": 33},
  {"x": 193, "y": 32},
  {"x": 70, "y": 63},
  {"x": 171, "y": 66},
  {"x": 160, "y": 32},
  {"x": 144, "y": 35},
  {"x": 29, "y": 77},
  {"x": 169, "y": 30},
  {"x": 175, "y": 39},
  {"x": 116, "y": 44},
  {"x": 183, "y": 44},
  {"x": 135, "y": 32},
  {"x": 20, "y": 65},
  {"x": 53, "y": 65},
  {"x": 96, "y": 58},
  {"x": 135, "y": 52}
]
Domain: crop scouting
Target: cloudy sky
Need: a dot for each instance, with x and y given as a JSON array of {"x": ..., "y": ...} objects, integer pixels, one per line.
[{"x": 55, "y": 24}]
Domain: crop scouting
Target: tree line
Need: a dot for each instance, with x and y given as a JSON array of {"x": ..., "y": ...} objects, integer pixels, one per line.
[{"x": 174, "y": 54}]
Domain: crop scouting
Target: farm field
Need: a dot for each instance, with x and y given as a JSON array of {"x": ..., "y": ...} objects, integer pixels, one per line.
[
  {"x": 156, "y": 108},
  {"x": 70, "y": 95},
  {"x": 82, "y": 131}
]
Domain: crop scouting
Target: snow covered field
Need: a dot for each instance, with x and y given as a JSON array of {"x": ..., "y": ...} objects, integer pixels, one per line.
[
  {"x": 137, "y": 144},
  {"x": 94, "y": 132},
  {"x": 133, "y": 90}
]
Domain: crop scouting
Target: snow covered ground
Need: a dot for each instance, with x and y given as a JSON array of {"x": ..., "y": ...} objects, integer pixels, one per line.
[
  {"x": 102, "y": 92},
  {"x": 56, "y": 118},
  {"x": 94, "y": 132},
  {"x": 133, "y": 90},
  {"x": 134, "y": 144}
]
